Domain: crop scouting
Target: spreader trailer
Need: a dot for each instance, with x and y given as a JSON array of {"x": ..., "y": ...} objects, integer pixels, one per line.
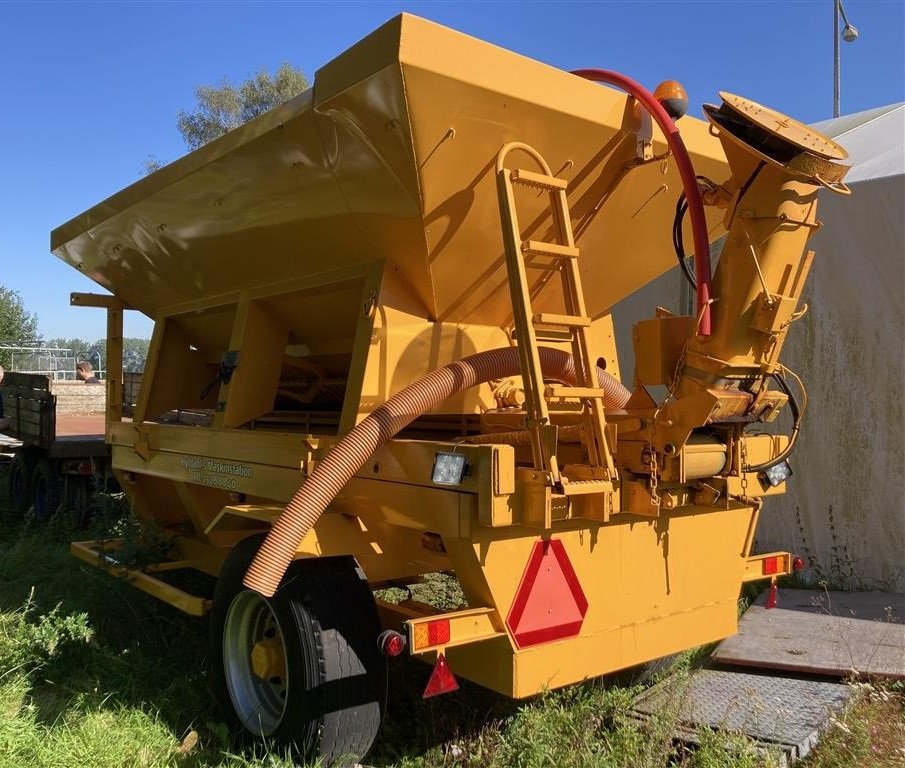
[{"x": 384, "y": 347}]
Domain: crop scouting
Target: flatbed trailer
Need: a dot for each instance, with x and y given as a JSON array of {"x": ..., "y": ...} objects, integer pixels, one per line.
[
  {"x": 58, "y": 458},
  {"x": 383, "y": 347}
]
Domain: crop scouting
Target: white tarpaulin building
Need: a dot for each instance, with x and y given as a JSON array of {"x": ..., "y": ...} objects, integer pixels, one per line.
[
  {"x": 845, "y": 504},
  {"x": 846, "y": 501}
]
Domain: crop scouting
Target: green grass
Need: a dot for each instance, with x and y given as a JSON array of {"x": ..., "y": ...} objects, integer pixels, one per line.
[{"x": 94, "y": 674}]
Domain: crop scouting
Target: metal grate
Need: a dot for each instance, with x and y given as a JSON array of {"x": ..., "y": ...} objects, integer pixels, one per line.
[{"x": 785, "y": 713}]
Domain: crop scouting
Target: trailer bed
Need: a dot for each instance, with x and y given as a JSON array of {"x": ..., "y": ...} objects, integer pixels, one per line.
[{"x": 79, "y": 435}]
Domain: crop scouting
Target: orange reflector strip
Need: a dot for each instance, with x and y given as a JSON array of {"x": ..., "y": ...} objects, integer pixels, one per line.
[
  {"x": 441, "y": 680},
  {"x": 431, "y": 633},
  {"x": 770, "y": 566}
]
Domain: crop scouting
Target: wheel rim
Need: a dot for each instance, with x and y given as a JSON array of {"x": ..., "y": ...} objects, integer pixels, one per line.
[{"x": 251, "y": 627}]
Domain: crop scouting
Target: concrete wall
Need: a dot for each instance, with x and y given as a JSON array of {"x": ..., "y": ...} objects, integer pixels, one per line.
[{"x": 78, "y": 397}]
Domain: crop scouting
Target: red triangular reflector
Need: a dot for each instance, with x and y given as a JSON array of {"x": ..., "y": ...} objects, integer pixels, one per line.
[
  {"x": 549, "y": 603},
  {"x": 441, "y": 680}
]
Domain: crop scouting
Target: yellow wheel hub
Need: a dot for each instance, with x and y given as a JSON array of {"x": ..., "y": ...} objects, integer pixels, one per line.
[{"x": 268, "y": 659}]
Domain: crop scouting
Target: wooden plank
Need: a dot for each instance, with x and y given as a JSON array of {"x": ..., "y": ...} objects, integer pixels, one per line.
[
  {"x": 26, "y": 406},
  {"x": 825, "y": 633},
  {"x": 26, "y": 415}
]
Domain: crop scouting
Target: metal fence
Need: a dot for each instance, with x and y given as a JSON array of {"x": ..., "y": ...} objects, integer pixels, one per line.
[{"x": 54, "y": 362}]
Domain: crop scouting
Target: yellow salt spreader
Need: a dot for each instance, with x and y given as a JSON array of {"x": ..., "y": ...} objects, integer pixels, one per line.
[{"x": 384, "y": 347}]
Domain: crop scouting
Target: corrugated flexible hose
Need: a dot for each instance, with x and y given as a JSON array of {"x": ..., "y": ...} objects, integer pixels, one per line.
[{"x": 359, "y": 444}]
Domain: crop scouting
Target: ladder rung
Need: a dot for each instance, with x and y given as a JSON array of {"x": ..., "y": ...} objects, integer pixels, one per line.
[
  {"x": 582, "y": 487},
  {"x": 566, "y": 321},
  {"x": 540, "y": 248},
  {"x": 557, "y": 335},
  {"x": 552, "y": 335},
  {"x": 573, "y": 393},
  {"x": 539, "y": 180}
]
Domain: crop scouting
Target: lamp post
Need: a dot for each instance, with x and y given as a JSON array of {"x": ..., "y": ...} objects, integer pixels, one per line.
[{"x": 849, "y": 34}]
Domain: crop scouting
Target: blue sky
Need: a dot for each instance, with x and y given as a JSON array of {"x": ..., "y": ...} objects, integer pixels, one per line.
[{"x": 92, "y": 88}]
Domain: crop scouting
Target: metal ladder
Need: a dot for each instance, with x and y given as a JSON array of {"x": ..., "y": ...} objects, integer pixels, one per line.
[{"x": 574, "y": 326}]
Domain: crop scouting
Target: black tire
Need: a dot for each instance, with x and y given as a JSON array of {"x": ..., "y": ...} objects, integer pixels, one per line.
[
  {"x": 19, "y": 483},
  {"x": 46, "y": 490},
  {"x": 78, "y": 498},
  {"x": 327, "y": 701}
]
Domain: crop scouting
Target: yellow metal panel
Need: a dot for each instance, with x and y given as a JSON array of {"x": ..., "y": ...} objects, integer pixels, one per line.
[
  {"x": 652, "y": 586},
  {"x": 260, "y": 342}
]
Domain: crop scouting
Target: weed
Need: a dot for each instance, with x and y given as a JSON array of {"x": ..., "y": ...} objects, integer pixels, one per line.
[
  {"x": 838, "y": 572},
  {"x": 440, "y": 590},
  {"x": 869, "y": 734},
  {"x": 29, "y": 641},
  {"x": 140, "y": 542},
  {"x": 720, "y": 749}
]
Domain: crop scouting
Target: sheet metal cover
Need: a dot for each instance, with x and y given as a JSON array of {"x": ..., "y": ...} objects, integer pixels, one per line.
[{"x": 826, "y": 633}]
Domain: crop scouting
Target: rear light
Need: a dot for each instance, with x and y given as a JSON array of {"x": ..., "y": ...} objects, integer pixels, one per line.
[
  {"x": 431, "y": 633},
  {"x": 441, "y": 680},
  {"x": 391, "y": 643},
  {"x": 770, "y": 565},
  {"x": 798, "y": 564}
]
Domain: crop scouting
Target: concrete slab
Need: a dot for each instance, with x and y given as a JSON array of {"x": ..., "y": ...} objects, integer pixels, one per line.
[
  {"x": 782, "y": 714},
  {"x": 824, "y": 633}
]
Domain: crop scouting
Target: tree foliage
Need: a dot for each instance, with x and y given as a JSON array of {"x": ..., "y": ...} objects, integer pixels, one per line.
[
  {"x": 135, "y": 351},
  {"x": 227, "y": 106},
  {"x": 17, "y": 324},
  {"x": 152, "y": 163}
]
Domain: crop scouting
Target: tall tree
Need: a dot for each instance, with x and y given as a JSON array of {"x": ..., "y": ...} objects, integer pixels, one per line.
[
  {"x": 17, "y": 324},
  {"x": 224, "y": 107}
]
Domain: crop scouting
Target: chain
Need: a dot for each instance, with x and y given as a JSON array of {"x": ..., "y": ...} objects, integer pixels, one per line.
[
  {"x": 744, "y": 463},
  {"x": 655, "y": 497}
]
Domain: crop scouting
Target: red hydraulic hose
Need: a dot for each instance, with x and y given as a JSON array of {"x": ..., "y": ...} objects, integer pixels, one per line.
[
  {"x": 356, "y": 447},
  {"x": 689, "y": 182}
]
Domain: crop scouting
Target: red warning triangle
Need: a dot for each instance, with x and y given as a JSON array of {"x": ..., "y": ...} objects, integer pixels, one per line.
[
  {"x": 549, "y": 603},
  {"x": 441, "y": 680}
]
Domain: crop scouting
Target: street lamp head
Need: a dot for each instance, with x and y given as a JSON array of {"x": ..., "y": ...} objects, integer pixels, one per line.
[{"x": 850, "y": 33}]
